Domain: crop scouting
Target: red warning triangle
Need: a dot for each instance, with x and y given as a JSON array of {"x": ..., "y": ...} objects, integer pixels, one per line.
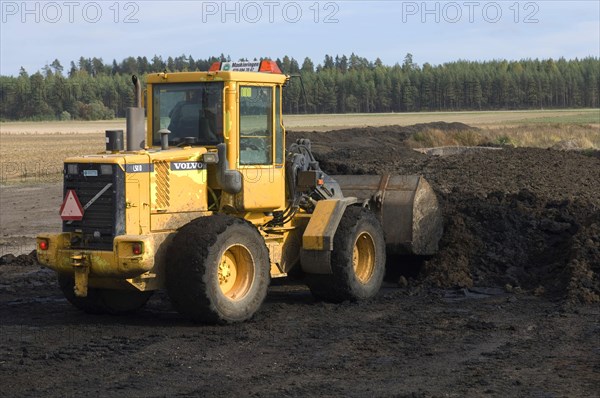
[{"x": 71, "y": 208}]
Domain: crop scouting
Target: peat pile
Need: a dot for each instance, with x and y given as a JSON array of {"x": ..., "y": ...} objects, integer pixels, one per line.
[
  {"x": 516, "y": 218},
  {"x": 21, "y": 260}
]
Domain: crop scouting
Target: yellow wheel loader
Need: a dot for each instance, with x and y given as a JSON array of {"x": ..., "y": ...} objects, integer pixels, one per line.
[{"x": 205, "y": 201}]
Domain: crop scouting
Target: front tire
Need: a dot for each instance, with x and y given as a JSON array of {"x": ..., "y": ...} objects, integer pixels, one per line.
[
  {"x": 357, "y": 259},
  {"x": 219, "y": 270}
]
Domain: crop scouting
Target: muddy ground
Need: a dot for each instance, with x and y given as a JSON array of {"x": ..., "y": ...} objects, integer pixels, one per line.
[{"x": 509, "y": 307}]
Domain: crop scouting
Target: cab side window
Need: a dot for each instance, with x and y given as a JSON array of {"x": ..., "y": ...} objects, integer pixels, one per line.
[{"x": 256, "y": 125}]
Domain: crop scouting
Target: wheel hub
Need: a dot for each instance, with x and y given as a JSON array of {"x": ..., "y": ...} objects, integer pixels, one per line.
[
  {"x": 363, "y": 257},
  {"x": 235, "y": 272},
  {"x": 224, "y": 273}
]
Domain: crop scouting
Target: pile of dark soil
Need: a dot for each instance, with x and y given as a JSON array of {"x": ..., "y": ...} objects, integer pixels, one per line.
[
  {"x": 20, "y": 260},
  {"x": 519, "y": 218}
]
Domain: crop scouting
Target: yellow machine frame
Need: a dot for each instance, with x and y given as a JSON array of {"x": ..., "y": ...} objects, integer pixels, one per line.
[
  {"x": 195, "y": 197},
  {"x": 146, "y": 223}
]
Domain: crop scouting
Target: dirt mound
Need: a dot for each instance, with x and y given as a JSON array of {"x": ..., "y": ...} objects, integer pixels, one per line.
[
  {"x": 443, "y": 126},
  {"x": 516, "y": 217},
  {"x": 454, "y": 150},
  {"x": 355, "y": 138},
  {"x": 20, "y": 260},
  {"x": 348, "y": 151}
]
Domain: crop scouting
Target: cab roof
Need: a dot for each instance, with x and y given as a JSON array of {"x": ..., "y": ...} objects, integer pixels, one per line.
[{"x": 265, "y": 71}]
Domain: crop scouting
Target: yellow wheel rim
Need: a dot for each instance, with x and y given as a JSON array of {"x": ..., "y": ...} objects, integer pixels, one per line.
[
  {"x": 236, "y": 272},
  {"x": 363, "y": 257}
]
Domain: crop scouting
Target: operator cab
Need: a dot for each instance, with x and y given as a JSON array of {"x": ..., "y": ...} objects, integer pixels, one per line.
[
  {"x": 233, "y": 110},
  {"x": 196, "y": 109}
]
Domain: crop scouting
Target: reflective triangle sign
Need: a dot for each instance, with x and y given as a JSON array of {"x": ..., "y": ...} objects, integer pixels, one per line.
[{"x": 71, "y": 208}]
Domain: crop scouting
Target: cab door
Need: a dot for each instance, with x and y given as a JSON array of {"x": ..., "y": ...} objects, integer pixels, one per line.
[{"x": 260, "y": 146}]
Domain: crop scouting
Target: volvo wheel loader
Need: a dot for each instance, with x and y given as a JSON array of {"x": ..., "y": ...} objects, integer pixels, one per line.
[{"x": 205, "y": 201}]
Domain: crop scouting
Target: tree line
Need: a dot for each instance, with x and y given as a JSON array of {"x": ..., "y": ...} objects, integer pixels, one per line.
[{"x": 91, "y": 89}]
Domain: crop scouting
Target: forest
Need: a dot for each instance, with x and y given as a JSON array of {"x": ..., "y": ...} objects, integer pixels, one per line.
[{"x": 90, "y": 89}]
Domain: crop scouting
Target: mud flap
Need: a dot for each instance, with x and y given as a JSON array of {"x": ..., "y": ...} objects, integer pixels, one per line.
[
  {"x": 317, "y": 241},
  {"x": 316, "y": 261}
]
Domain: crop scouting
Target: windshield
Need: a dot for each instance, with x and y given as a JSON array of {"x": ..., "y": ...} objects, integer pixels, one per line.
[{"x": 191, "y": 111}]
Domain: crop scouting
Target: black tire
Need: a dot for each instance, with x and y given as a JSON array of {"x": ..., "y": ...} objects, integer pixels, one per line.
[
  {"x": 218, "y": 270},
  {"x": 103, "y": 301},
  {"x": 357, "y": 259}
]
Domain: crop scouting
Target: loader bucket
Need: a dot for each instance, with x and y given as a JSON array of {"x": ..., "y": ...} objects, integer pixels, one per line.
[{"x": 406, "y": 206}]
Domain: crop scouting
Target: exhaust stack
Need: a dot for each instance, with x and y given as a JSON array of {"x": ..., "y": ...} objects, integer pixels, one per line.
[{"x": 136, "y": 131}]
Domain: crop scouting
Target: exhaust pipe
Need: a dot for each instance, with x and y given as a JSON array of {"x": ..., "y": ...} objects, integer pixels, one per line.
[
  {"x": 138, "y": 91},
  {"x": 136, "y": 132}
]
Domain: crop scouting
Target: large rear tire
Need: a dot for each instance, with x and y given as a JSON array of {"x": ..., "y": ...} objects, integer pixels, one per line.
[
  {"x": 103, "y": 301},
  {"x": 219, "y": 270},
  {"x": 357, "y": 259}
]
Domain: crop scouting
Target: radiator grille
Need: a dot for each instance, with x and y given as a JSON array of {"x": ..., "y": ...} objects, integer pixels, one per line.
[{"x": 104, "y": 218}]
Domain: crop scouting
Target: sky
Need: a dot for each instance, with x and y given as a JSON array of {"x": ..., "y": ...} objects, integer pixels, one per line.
[{"x": 34, "y": 33}]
